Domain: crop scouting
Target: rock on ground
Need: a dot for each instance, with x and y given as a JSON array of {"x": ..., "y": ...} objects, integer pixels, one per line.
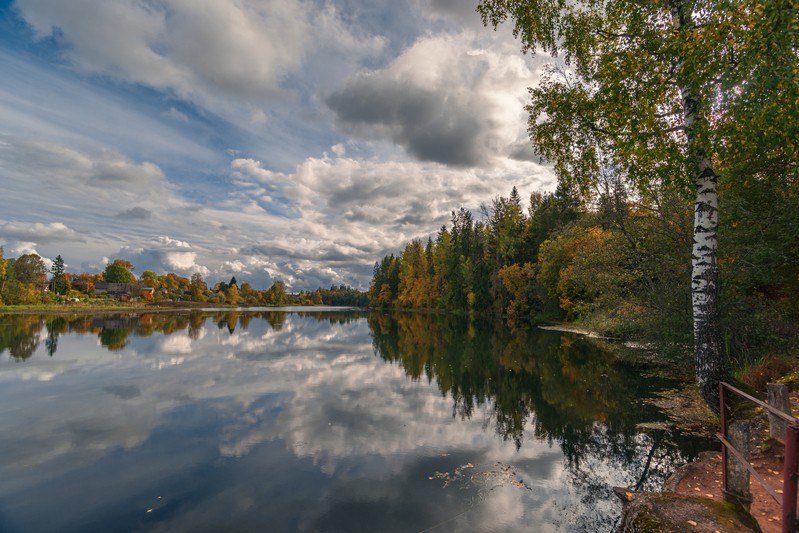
[{"x": 669, "y": 512}]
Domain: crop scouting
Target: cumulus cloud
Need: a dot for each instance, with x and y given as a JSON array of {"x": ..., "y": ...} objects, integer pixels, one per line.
[
  {"x": 348, "y": 213},
  {"x": 465, "y": 13},
  {"x": 165, "y": 254},
  {"x": 324, "y": 223},
  {"x": 441, "y": 100},
  {"x": 431, "y": 125},
  {"x": 22, "y": 248},
  {"x": 154, "y": 43},
  {"x": 366, "y": 201},
  {"x": 108, "y": 173},
  {"x": 38, "y": 232},
  {"x": 411, "y": 124},
  {"x": 245, "y": 51}
]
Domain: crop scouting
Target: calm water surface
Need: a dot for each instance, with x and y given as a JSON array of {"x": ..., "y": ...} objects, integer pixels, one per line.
[{"x": 317, "y": 421}]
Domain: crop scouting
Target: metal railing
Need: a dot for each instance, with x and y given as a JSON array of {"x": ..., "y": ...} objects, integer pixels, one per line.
[{"x": 790, "y": 464}]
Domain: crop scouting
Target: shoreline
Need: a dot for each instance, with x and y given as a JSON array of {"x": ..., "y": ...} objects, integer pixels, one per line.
[
  {"x": 568, "y": 327},
  {"x": 68, "y": 309}
]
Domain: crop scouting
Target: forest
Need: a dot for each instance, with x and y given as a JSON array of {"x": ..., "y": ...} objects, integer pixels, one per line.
[
  {"x": 673, "y": 129},
  {"x": 691, "y": 100},
  {"x": 619, "y": 264}
]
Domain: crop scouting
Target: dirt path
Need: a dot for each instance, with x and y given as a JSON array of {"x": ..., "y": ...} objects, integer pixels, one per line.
[{"x": 704, "y": 479}]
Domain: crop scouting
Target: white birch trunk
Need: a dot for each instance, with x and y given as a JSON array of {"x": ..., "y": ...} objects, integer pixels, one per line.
[
  {"x": 705, "y": 287},
  {"x": 708, "y": 355}
]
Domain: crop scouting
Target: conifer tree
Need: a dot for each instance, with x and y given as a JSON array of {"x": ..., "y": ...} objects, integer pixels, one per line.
[{"x": 58, "y": 283}]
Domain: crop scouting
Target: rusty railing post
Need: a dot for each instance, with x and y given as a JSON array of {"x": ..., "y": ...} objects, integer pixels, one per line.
[
  {"x": 789, "y": 479},
  {"x": 723, "y": 414}
]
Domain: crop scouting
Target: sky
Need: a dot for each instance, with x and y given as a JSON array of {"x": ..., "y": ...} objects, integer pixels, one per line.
[{"x": 293, "y": 140}]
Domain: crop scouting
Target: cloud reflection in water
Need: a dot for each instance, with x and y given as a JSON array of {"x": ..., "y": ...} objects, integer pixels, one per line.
[{"x": 307, "y": 422}]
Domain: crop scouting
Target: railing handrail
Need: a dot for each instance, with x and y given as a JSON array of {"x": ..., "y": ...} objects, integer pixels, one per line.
[
  {"x": 792, "y": 420},
  {"x": 790, "y": 465},
  {"x": 746, "y": 464}
]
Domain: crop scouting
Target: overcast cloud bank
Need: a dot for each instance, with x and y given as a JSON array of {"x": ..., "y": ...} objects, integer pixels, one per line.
[{"x": 290, "y": 140}]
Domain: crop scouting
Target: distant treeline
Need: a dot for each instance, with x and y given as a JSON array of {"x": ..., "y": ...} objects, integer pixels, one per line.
[{"x": 26, "y": 280}]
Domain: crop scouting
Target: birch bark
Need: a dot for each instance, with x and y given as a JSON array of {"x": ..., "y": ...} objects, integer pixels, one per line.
[{"x": 708, "y": 356}]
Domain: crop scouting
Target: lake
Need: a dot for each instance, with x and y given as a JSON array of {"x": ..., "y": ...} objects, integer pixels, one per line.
[{"x": 322, "y": 420}]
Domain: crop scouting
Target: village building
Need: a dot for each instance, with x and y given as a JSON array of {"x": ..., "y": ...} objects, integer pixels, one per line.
[{"x": 122, "y": 291}]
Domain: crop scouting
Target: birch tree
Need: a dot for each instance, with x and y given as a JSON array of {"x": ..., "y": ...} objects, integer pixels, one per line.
[{"x": 664, "y": 92}]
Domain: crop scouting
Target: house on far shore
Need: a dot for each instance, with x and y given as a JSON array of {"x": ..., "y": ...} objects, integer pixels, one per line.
[{"x": 120, "y": 290}]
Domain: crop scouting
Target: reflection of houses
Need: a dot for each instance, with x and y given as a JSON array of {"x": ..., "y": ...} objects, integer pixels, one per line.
[{"x": 116, "y": 322}]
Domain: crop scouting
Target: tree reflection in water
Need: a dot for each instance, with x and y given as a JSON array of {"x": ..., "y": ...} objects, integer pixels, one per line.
[
  {"x": 21, "y": 334},
  {"x": 561, "y": 388},
  {"x": 557, "y": 388}
]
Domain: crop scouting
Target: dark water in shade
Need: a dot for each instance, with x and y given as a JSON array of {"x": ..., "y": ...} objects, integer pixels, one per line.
[{"x": 317, "y": 421}]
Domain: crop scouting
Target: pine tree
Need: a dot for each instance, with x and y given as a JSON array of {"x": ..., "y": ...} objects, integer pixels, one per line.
[{"x": 58, "y": 283}]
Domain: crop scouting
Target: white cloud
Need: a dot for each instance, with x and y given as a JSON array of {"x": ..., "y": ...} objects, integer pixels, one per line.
[
  {"x": 45, "y": 103},
  {"x": 339, "y": 149},
  {"x": 38, "y": 232},
  {"x": 22, "y": 248},
  {"x": 169, "y": 242},
  {"x": 259, "y": 117},
  {"x": 446, "y": 99},
  {"x": 245, "y": 51},
  {"x": 108, "y": 176},
  {"x": 236, "y": 267},
  {"x": 361, "y": 207},
  {"x": 176, "y": 344},
  {"x": 164, "y": 254},
  {"x": 325, "y": 223},
  {"x": 347, "y": 213},
  {"x": 206, "y": 80}
]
